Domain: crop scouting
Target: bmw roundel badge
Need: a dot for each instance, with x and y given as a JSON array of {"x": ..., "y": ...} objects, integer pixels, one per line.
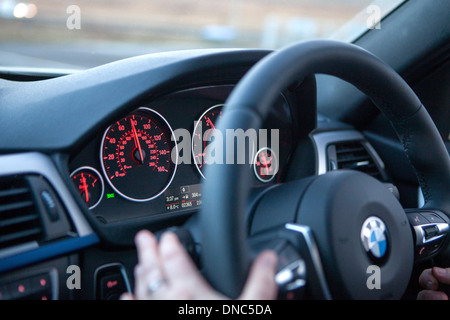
[{"x": 374, "y": 237}]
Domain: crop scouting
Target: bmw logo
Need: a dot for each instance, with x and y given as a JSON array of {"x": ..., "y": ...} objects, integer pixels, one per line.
[{"x": 374, "y": 237}]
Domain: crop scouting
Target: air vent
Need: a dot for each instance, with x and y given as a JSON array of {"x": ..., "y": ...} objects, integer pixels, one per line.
[
  {"x": 352, "y": 155},
  {"x": 19, "y": 218}
]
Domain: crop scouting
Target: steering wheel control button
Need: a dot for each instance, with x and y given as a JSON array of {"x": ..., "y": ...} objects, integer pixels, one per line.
[
  {"x": 374, "y": 238},
  {"x": 433, "y": 217},
  {"x": 292, "y": 277},
  {"x": 417, "y": 219},
  {"x": 430, "y": 232}
]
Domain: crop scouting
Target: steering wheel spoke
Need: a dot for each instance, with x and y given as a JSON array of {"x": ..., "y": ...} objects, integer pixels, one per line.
[
  {"x": 317, "y": 284},
  {"x": 300, "y": 273}
]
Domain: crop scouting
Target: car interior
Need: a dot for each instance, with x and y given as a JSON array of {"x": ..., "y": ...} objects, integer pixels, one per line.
[{"x": 360, "y": 176}]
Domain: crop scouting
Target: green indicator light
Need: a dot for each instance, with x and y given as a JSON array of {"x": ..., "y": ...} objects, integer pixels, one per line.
[{"x": 109, "y": 195}]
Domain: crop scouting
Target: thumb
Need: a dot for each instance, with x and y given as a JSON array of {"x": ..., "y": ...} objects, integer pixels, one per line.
[{"x": 261, "y": 283}]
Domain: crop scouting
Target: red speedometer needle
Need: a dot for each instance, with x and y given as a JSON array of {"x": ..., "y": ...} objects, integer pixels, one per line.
[{"x": 136, "y": 141}]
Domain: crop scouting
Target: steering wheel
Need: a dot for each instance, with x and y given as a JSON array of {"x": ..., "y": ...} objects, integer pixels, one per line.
[{"x": 337, "y": 214}]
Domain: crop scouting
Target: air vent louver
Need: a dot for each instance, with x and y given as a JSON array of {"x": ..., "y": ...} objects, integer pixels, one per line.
[
  {"x": 352, "y": 155},
  {"x": 19, "y": 219}
]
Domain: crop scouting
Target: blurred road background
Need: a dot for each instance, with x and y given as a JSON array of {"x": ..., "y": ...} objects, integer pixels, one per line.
[{"x": 36, "y": 33}]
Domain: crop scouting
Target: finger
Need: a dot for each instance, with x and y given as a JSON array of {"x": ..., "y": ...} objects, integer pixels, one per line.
[
  {"x": 147, "y": 248},
  {"x": 185, "y": 281},
  {"x": 148, "y": 270},
  {"x": 126, "y": 296},
  {"x": 140, "y": 277},
  {"x": 428, "y": 281},
  {"x": 177, "y": 263},
  {"x": 183, "y": 276},
  {"x": 431, "y": 295},
  {"x": 442, "y": 274},
  {"x": 261, "y": 283}
]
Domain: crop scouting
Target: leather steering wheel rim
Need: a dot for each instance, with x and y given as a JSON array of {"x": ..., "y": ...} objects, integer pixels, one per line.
[{"x": 225, "y": 253}]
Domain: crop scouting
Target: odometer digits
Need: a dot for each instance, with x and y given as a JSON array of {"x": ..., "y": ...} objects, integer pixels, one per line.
[{"x": 136, "y": 155}]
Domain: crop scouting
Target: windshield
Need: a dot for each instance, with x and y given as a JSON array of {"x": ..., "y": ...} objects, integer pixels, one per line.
[{"x": 78, "y": 34}]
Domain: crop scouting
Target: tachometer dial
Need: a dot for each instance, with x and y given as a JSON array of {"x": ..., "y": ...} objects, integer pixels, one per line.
[
  {"x": 89, "y": 184},
  {"x": 202, "y": 131},
  {"x": 265, "y": 165},
  {"x": 136, "y": 155}
]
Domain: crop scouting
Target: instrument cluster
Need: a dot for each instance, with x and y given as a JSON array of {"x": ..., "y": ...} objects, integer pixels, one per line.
[{"x": 142, "y": 165}]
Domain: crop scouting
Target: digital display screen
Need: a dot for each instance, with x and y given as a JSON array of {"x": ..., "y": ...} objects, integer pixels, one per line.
[{"x": 185, "y": 197}]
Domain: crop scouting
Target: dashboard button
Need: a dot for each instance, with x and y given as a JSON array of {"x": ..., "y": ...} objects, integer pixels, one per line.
[
  {"x": 40, "y": 282},
  {"x": 112, "y": 286},
  {"x": 19, "y": 289},
  {"x": 111, "y": 282}
]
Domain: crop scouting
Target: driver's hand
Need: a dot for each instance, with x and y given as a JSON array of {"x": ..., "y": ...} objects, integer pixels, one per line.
[
  {"x": 429, "y": 280},
  {"x": 165, "y": 271}
]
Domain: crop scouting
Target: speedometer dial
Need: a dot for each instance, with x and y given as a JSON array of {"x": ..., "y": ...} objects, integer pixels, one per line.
[{"x": 136, "y": 155}]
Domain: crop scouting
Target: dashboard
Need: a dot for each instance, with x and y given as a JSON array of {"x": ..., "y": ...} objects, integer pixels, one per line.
[
  {"x": 108, "y": 157},
  {"x": 151, "y": 162},
  {"x": 59, "y": 130}
]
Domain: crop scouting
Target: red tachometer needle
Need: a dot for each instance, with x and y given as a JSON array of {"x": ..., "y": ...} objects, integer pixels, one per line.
[
  {"x": 85, "y": 187},
  {"x": 136, "y": 141},
  {"x": 208, "y": 120}
]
